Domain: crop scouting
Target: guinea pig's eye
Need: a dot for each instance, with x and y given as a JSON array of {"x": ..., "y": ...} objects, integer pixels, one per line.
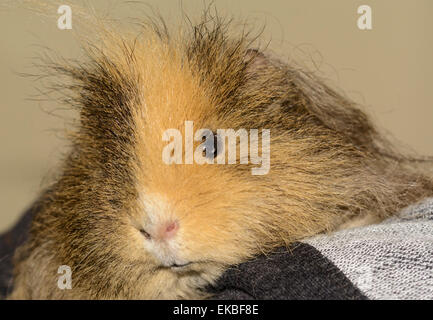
[
  {"x": 211, "y": 148},
  {"x": 145, "y": 234}
]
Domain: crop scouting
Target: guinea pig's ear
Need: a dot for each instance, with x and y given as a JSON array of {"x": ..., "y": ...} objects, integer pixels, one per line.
[
  {"x": 256, "y": 62},
  {"x": 255, "y": 59}
]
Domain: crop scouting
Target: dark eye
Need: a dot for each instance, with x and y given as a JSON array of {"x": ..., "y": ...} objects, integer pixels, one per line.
[
  {"x": 211, "y": 146},
  {"x": 145, "y": 234}
]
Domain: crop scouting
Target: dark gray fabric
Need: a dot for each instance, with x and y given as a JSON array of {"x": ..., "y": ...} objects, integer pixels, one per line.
[
  {"x": 9, "y": 241},
  {"x": 299, "y": 273}
]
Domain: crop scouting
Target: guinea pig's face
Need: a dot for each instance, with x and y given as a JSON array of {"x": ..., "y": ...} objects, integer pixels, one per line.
[{"x": 188, "y": 215}]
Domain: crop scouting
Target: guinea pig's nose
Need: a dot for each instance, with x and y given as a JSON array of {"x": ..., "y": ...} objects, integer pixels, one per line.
[{"x": 167, "y": 230}]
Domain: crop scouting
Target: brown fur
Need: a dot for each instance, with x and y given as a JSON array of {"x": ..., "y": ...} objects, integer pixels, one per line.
[{"x": 328, "y": 166}]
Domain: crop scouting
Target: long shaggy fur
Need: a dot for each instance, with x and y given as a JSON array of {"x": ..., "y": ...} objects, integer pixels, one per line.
[{"x": 328, "y": 166}]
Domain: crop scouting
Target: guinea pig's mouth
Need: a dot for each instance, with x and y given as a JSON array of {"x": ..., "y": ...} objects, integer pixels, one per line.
[{"x": 176, "y": 266}]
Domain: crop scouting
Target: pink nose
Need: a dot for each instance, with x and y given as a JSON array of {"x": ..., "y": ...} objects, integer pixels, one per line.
[{"x": 168, "y": 230}]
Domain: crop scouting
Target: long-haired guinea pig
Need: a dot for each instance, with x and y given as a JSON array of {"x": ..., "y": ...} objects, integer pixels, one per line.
[{"x": 131, "y": 226}]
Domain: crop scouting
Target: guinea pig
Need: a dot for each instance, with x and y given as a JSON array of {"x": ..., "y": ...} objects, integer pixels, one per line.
[{"x": 131, "y": 226}]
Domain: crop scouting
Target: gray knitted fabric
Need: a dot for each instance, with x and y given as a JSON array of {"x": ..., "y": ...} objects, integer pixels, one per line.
[{"x": 391, "y": 260}]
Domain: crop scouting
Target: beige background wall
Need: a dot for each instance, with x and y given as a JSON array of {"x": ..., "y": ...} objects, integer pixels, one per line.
[{"x": 388, "y": 69}]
